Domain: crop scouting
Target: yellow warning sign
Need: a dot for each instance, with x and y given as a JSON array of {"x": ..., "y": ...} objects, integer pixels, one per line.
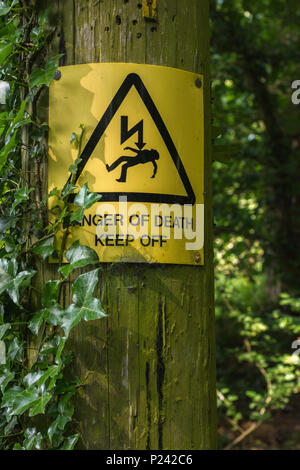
[{"x": 142, "y": 150}]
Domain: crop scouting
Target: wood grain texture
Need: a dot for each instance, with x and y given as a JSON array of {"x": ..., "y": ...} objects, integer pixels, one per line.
[{"x": 151, "y": 363}]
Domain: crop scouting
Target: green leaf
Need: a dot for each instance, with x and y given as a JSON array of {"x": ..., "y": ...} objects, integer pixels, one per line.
[
  {"x": 68, "y": 189},
  {"x": 44, "y": 248},
  {"x": 91, "y": 310},
  {"x": 77, "y": 216},
  {"x": 17, "y": 400},
  {"x": 11, "y": 425},
  {"x": 10, "y": 281},
  {"x": 5, "y": 51},
  {"x": 54, "y": 314},
  {"x": 73, "y": 168},
  {"x": 84, "y": 286},
  {"x": 60, "y": 349},
  {"x": 6, "y": 223},
  {"x": 20, "y": 195},
  {"x": 2, "y": 352},
  {"x": 39, "y": 406},
  {"x": 50, "y": 293},
  {"x": 4, "y": 152},
  {"x": 85, "y": 305},
  {"x": 70, "y": 442},
  {"x": 53, "y": 192},
  {"x": 33, "y": 439},
  {"x": 15, "y": 350},
  {"x": 18, "y": 446},
  {"x": 40, "y": 377},
  {"x": 85, "y": 199},
  {"x": 78, "y": 257},
  {"x": 66, "y": 411},
  {"x": 36, "y": 322},
  {"x": 6, "y": 376},
  {"x": 43, "y": 76},
  {"x": 52, "y": 345},
  {"x": 3, "y": 329},
  {"x": 4, "y": 9}
]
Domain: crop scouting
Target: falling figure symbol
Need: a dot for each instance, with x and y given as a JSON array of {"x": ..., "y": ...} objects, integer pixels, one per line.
[{"x": 142, "y": 156}]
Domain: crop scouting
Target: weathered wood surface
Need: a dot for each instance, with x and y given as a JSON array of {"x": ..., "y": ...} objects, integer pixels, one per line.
[{"x": 151, "y": 363}]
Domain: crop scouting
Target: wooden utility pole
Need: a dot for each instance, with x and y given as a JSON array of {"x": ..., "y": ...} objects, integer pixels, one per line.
[{"x": 150, "y": 366}]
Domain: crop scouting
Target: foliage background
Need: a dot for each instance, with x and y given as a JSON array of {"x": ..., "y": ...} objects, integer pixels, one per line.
[
  {"x": 255, "y": 59},
  {"x": 34, "y": 326}
]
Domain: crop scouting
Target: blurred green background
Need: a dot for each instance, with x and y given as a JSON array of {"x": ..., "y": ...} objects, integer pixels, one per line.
[{"x": 255, "y": 59}]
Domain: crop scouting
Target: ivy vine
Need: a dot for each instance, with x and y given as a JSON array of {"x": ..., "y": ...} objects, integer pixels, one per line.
[{"x": 32, "y": 340}]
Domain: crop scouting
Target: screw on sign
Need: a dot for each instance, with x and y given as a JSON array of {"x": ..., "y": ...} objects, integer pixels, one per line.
[{"x": 149, "y": 9}]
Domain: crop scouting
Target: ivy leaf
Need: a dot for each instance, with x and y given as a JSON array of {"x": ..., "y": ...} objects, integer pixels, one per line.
[
  {"x": 84, "y": 286},
  {"x": 2, "y": 352},
  {"x": 3, "y": 329},
  {"x": 91, "y": 310},
  {"x": 20, "y": 195},
  {"x": 43, "y": 76},
  {"x": 44, "y": 248},
  {"x": 73, "y": 168},
  {"x": 10, "y": 281},
  {"x": 78, "y": 257},
  {"x": 85, "y": 305},
  {"x": 53, "y": 192},
  {"x": 11, "y": 425},
  {"x": 4, "y": 9},
  {"x": 36, "y": 322},
  {"x": 33, "y": 439},
  {"x": 54, "y": 314},
  {"x": 77, "y": 216},
  {"x": 39, "y": 406},
  {"x": 68, "y": 189},
  {"x": 40, "y": 377},
  {"x": 70, "y": 442},
  {"x": 52, "y": 345},
  {"x": 50, "y": 293},
  {"x": 6, "y": 376},
  {"x": 17, "y": 400},
  {"x": 1, "y": 314},
  {"x": 6, "y": 223},
  {"x": 15, "y": 350},
  {"x": 5, "y": 51},
  {"x": 18, "y": 446},
  {"x": 86, "y": 199},
  {"x": 66, "y": 411}
]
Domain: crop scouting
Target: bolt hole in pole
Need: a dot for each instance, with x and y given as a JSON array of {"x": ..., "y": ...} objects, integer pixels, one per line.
[{"x": 198, "y": 83}]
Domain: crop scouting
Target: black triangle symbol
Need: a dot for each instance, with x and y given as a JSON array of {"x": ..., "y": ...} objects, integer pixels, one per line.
[{"x": 134, "y": 80}]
